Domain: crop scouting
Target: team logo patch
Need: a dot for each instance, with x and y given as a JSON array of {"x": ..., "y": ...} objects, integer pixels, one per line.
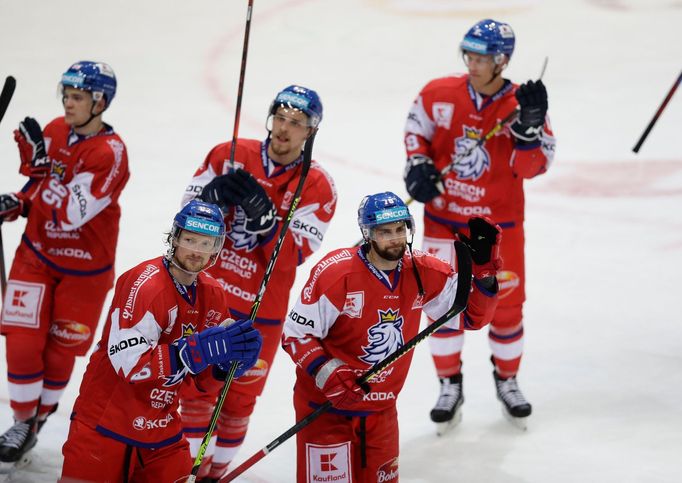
[
  {"x": 384, "y": 338},
  {"x": 442, "y": 114},
  {"x": 508, "y": 281},
  {"x": 352, "y": 307},
  {"x": 477, "y": 163},
  {"x": 23, "y": 301},
  {"x": 328, "y": 463},
  {"x": 257, "y": 373}
]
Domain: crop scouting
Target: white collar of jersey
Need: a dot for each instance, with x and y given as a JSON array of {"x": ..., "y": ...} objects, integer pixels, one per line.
[
  {"x": 381, "y": 276},
  {"x": 273, "y": 168},
  {"x": 481, "y": 102}
]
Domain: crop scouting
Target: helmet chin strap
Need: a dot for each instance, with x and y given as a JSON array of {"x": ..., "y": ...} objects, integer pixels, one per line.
[
  {"x": 496, "y": 73},
  {"x": 170, "y": 256},
  {"x": 92, "y": 115}
]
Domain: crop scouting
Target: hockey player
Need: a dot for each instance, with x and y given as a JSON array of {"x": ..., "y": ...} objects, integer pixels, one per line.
[
  {"x": 166, "y": 322},
  {"x": 77, "y": 167},
  {"x": 255, "y": 194},
  {"x": 358, "y": 307},
  {"x": 449, "y": 116}
]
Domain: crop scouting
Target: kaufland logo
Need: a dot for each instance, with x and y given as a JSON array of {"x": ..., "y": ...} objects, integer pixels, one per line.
[
  {"x": 18, "y": 298},
  {"x": 202, "y": 226},
  {"x": 395, "y": 213}
]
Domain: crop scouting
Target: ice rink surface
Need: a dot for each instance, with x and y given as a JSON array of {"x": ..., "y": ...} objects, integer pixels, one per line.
[{"x": 604, "y": 227}]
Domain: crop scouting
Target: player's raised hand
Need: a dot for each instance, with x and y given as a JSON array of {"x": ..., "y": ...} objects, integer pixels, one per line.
[
  {"x": 532, "y": 99},
  {"x": 484, "y": 243},
  {"x": 29, "y": 138},
  {"x": 251, "y": 196}
]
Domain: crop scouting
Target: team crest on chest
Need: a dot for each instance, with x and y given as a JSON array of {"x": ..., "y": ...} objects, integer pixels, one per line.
[
  {"x": 478, "y": 162},
  {"x": 384, "y": 337},
  {"x": 241, "y": 240}
]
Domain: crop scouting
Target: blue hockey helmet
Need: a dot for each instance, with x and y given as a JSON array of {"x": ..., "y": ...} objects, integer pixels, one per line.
[
  {"x": 302, "y": 99},
  {"x": 382, "y": 208},
  {"x": 490, "y": 37},
  {"x": 202, "y": 218},
  {"x": 95, "y": 77}
]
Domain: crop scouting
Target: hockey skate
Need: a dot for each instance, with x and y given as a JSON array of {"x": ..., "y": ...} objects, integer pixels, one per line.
[
  {"x": 515, "y": 408},
  {"x": 447, "y": 412},
  {"x": 15, "y": 444}
]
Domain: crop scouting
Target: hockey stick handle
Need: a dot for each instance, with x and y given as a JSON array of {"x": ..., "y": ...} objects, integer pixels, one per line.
[
  {"x": 240, "y": 88},
  {"x": 648, "y": 129},
  {"x": 305, "y": 167},
  {"x": 461, "y": 299},
  {"x": 5, "y": 98}
]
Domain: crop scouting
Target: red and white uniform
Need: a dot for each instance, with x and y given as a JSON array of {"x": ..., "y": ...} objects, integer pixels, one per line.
[
  {"x": 129, "y": 393},
  {"x": 67, "y": 249},
  {"x": 240, "y": 268},
  {"x": 351, "y": 311},
  {"x": 446, "y": 119}
]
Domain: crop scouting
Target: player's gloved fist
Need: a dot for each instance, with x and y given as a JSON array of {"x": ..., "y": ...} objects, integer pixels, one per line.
[
  {"x": 217, "y": 191},
  {"x": 339, "y": 384},
  {"x": 220, "y": 345},
  {"x": 484, "y": 243},
  {"x": 29, "y": 138},
  {"x": 246, "y": 343},
  {"x": 422, "y": 179},
  {"x": 246, "y": 192},
  {"x": 532, "y": 99},
  {"x": 11, "y": 206}
]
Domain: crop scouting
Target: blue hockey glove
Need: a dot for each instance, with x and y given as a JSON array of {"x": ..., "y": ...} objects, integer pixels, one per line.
[
  {"x": 246, "y": 353},
  {"x": 220, "y": 345}
]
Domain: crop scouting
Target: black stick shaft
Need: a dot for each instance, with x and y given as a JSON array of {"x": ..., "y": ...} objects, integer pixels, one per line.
[{"x": 648, "y": 129}]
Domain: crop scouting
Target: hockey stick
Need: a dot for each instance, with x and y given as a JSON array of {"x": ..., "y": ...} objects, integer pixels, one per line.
[
  {"x": 240, "y": 88},
  {"x": 658, "y": 114},
  {"x": 305, "y": 167},
  {"x": 5, "y": 97},
  {"x": 459, "y": 305}
]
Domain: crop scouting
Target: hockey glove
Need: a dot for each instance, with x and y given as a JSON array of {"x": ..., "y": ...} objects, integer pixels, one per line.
[
  {"x": 248, "y": 355},
  {"x": 218, "y": 193},
  {"x": 422, "y": 179},
  {"x": 532, "y": 99},
  {"x": 484, "y": 243},
  {"x": 339, "y": 384},
  {"x": 221, "y": 345},
  {"x": 251, "y": 196},
  {"x": 11, "y": 206},
  {"x": 29, "y": 138}
]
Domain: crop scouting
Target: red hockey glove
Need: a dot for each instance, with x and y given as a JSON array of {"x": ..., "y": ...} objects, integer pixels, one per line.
[
  {"x": 29, "y": 138},
  {"x": 484, "y": 242},
  {"x": 11, "y": 206},
  {"x": 339, "y": 384}
]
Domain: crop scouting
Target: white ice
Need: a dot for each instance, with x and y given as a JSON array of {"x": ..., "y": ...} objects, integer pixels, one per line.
[{"x": 602, "y": 364}]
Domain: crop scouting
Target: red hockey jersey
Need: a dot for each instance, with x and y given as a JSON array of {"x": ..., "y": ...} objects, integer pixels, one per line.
[
  {"x": 244, "y": 257},
  {"x": 351, "y": 311},
  {"x": 73, "y": 220},
  {"x": 129, "y": 390},
  {"x": 446, "y": 119}
]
